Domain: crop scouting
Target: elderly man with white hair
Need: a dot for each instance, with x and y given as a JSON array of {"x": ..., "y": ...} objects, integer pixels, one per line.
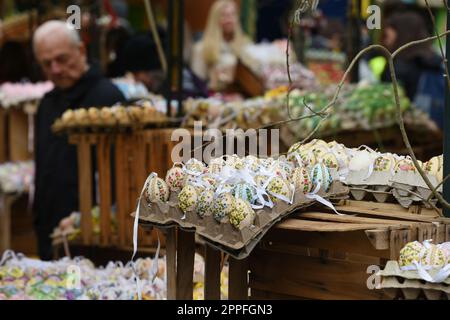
[{"x": 62, "y": 57}]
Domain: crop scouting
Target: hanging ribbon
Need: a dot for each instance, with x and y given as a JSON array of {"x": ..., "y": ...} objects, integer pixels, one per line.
[
  {"x": 135, "y": 233},
  {"x": 314, "y": 196}
]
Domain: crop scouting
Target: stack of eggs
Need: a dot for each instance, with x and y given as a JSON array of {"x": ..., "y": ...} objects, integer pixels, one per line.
[
  {"x": 427, "y": 255},
  {"x": 231, "y": 188}
]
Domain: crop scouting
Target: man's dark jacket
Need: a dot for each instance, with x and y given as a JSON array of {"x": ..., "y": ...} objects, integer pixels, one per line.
[{"x": 56, "y": 180}]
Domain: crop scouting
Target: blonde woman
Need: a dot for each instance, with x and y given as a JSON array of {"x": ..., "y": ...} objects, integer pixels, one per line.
[{"x": 215, "y": 57}]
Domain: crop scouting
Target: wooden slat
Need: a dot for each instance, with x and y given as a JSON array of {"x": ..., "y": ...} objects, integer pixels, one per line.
[
  {"x": 171, "y": 263},
  {"x": 3, "y": 141},
  {"x": 313, "y": 226},
  {"x": 398, "y": 239},
  {"x": 294, "y": 242},
  {"x": 122, "y": 189},
  {"x": 212, "y": 273},
  {"x": 104, "y": 180},
  {"x": 447, "y": 233},
  {"x": 185, "y": 264},
  {"x": 309, "y": 277},
  {"x": 354, "y": 219},
  {"x": 390, "y": 207},
  {"x": 238, "y": 280},
  {"x": 85, "y": 189},
  {"x": 380, "y": 213}
]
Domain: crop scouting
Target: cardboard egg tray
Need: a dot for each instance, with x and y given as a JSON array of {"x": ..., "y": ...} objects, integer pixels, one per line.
[
  {"x": 237, "y": 243},
  {"x": 408, "y": 285},
  {"x": 406, "y": 188}
]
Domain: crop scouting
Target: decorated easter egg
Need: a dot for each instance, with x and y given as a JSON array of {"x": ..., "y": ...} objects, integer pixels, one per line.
[
  {"x": 433, "y": 165},
  {"x": 252, "y": 163},
  {"x": 222, "y": 207},
  {"x": 187, "y": 198},
  {"x": 318, "y": 143},
  {"x": 384, "y": 163},
  {"x": 409, "y": 253},
  {"x": 157, "y": 190},
  {"x": 302, "y": 158},
  {"x": 295, "y": 147},
  {"x": 215, "y": 165},
  {"x": 242, "y": 215},
  {"x": 244, "y": 191},
  {"x": 433, "y": 257},
  {"x": 235, "y": 162},
  {"x": 320, "y": 175},
  {"x": 319, "y": 151},
  {"x": 279, "y": 189},
  {"x": 330, "y": 160},
  {"x": 194, "y": 167},
  {"x": 404, "y": 165},
  {"x": 208, "y": 181},
  {"x": 175, "y": 178},
  {"x": 302, "y": 180},
  {"x": 205, "y": 203}
]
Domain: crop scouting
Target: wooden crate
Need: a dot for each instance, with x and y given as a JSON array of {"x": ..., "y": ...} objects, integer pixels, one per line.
[
  {"x": 324, "y": 255},
  {"x": 6, "y": 202},
  {"x": 123, "y": 160},
  {"x": 327, "y": 256}
]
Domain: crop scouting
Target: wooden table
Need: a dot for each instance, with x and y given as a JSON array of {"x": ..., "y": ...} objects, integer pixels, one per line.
[{"x": 314, "y": 254}]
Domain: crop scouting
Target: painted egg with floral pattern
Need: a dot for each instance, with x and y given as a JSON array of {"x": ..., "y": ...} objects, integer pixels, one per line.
[
  {"x": 175, "y": 178},
  {"x": 242, "y": 215},
  {"x": 433, "y": 166},
  {"x": 404, "y": 165},
  {"x": 215, "y": 165},
  {"x": 330, "y": 160},
  {"x": 187, "y": 198},
  {"x": 157, "y": 190},
  {"x": 320, "y": 151},
  {"x": 244, "y": 191},
  {"x": 223, "y": 205},
  {"x": 279, "y": 189},
  {"x": 320, "y": 175},
  {"x": 193, "y": 166},
  {"x": 205, "y": 203},
  {"x": 252, "y": 163},
  {"x": 302, "y": 180},
  {"x": 384, "y": 163},
  {"x": 433, "y": 257},
  {"x": 409, "y": 253}
]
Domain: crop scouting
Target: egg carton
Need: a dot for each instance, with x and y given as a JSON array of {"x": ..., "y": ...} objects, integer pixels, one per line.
[
  {"x": 237, "y": 242},
  {"x": 411, "y": 290},
  {"x": 406, "y": 188},
  {"x": 409, "y": 285}
]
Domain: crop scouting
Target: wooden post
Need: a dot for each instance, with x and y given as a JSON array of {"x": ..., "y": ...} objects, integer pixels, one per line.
[
  {"x": 238, "y": 280},
  {"x": 5, "y": 223},
  {"x": 122, "y": 188},
  {"x": 185, "y": 265},
  {"x": 104, "y": 177},
  {"x": 171, "y": 263},
  {"x": 85, "y": 188},
  {"x": 212, "y": 273}
]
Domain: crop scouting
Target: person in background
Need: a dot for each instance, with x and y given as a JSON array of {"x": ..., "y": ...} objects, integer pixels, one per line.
[
  {"x": 62, "y": 57},
  {"x": 419, "y": 68},
  {"x": 140, "y": 58},
  {"x": 215, "y": 56}
]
